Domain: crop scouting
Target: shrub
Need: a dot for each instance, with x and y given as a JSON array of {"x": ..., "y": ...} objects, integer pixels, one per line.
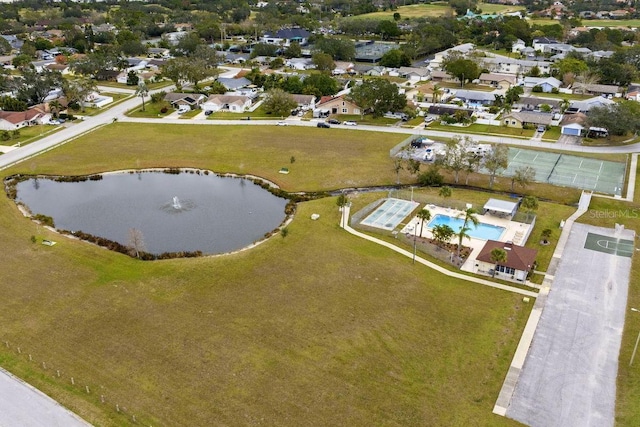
[
  {"x": 431, "y": 178},
  {"x": 536, "y": 88},
  {"x": 44, "y": 220},
  {"x": 163, "y": 110},
  {"x": 158, "y": 97}
]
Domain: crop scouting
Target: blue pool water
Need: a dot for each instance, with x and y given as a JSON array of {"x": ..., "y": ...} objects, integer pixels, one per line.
[{"x": 482, "y": 231}]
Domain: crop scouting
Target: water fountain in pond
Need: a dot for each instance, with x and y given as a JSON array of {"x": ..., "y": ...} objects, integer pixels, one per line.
[{"x": 176, "y": 203}]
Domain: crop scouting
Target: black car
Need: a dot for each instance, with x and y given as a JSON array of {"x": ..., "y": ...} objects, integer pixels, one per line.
[
  {"x": 333, "y": 121},
  {"x": 324, "y": 125}
]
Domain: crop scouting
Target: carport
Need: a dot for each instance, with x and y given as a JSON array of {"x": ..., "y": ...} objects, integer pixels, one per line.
[{"x": 501, "y": 208}]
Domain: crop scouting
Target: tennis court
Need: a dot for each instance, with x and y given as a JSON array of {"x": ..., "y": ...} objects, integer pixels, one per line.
[
  {"x": 601, "y": 176},
  {"x": 389, "y": 214}
]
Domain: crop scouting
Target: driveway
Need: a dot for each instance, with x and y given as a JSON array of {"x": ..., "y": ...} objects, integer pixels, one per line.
[{"x": 569, "y": 376}]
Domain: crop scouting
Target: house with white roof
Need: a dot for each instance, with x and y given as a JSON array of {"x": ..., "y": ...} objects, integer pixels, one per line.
[
  {"x": 546, "y": 83},
  {"x": 286, "y": 36},
  {"x": 464, "y": 49},
  {"x": 231, "y": 103}
]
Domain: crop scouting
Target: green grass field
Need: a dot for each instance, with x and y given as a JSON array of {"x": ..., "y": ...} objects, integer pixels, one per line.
[
  {"x": 433, "y": 10},
  {"x": 318, "y": 328},
  {"x": 633, "y": 23}
]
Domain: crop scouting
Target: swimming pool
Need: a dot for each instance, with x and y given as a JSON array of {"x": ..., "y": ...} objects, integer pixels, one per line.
[{"x": 482, "y": 231}]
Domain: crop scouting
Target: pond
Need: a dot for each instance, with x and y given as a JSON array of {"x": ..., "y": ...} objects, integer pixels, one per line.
[{"x": 172, "y": 212}]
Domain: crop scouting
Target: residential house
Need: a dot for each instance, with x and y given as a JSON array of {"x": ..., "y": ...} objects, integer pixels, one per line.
[
  {"x": 532, "y": 103},
  {"x": 286, "y": 36},
  {"x": 475, "y": 97},
  {"x": 300, "y": 64},
  {"x": 414, "y": 74},
  {"x": 585, "y": 105},
  {"x": 633, "y": 92},
  {"x": 597, "y": 89},
  {"x": 158, "y": 52},
  {"x": 61, "y": 68},
  {"x": 235, "y": 58},
  {"x": 522, "y": 119},
  {"x": 342, "y": 67},
  {"x": 305, "y": 102},
  {"x": 14, "y": 42},
  {"x": 232, "y": 103},
  {"x": 442, "y": 76},
  {"x": 174, "y": 37},
  {"x": 376, "y": 71},
  {"x": 573, "y": 124},
  {"x": 464, "y": 49},
  {"x": 96, "y": 100},
  {"x": 504, "y": 81},
  {"x": 336, "y": 105},
  {"x": 12, "y": 120},
  {"x": 548, "y": 84},
  {"x": 539, "y": 43},
  {"x": 232, "y": 84},
  {"x": 425, "y": 92},
  {"x": 520, "y": 261},
  {"x": 518, "y": 46},
  {"x": 440, "y": 110},
  {"x": 193, "y": 100}
]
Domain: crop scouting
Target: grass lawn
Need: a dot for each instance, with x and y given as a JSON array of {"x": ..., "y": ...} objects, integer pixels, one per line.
[
  {"x": 569, "y": 96},
  {"x": 150, "y": 86},
  {"x": 152, "y": 110},
  {"x": 468, "y": 86},
  {"x": 319, "y": 325},
  {"x": 258, "y": 114},
  {"x": 368, "y": 119},
  {"x": 552, "y": 134},
  {"x": 411, "y": 11},
  {"x": 30, "y": 134},
  {"x": 485, "y": 129},
  {"x": 91, "y": 111},
  {"x": 489, "y": 8}
]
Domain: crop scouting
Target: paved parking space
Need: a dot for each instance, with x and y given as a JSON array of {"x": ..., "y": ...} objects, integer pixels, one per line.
[{"x": 569, "y": 376}]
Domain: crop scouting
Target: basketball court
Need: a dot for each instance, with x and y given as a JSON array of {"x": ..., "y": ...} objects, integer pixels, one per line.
[{"x": 586, "y": 173}]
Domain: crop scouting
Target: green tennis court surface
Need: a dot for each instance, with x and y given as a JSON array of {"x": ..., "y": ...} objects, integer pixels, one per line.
[
  {"x": 601, "y": 176},
  {"x": 609, "y": 245}
]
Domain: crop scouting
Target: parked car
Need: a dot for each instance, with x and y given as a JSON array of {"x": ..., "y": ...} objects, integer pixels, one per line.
[
  {"x": 542, "y": 128},
  {"x": 282, "y": 123},
  {"x": 208, "y": 113},
  {"x": 333, "y": 121},
  {"x": 350, "y": 123},
  {"x": 428, "y": 156},
  {"x": 428, "y": 119},
  {"x": 324, "y": 125}
]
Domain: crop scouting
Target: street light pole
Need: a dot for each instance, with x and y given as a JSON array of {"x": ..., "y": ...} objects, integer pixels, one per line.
[
  {"x": 635, "y": 348},
  {"x": 415, "y": 231}
]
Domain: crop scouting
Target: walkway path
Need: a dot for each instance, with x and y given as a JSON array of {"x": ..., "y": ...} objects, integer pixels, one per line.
[
  {"x": 509, "y": 385},
  {"x": 345, "y": 224},
  {"x": 25, "y": 406}
]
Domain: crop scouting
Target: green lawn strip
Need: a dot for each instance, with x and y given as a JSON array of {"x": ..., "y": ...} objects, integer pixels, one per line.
[
  {"x": 151, "y": 110},
  {"x": 552, "y": 134},
  {"x": 367, "y": 119},
  {"x": 190, "y": 114},
  {"x": 485, "y": 130},
  {"x": 258, "y": 114},
  {"x": 468, "y": 86},
  {"x": 569, "y": 96},
  {"x": 150, "y": 86},
  {"x": 30, "y": 134},
  {"x": 411, "y": 11},
  {"x": 319, "y": 324}
]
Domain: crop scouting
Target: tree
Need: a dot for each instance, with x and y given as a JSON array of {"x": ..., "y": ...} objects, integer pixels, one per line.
[
  {"x": 142, "y": 91},
  {"x": 323, "y": 62},
  {"x": 571, "y": 65},
  {"x": 339, "y": 49},
  {"x": 395, "y": 58},
  {"x": 584, "y": 80},
  {"x": 437, "y": 92},
  {"x": 132, "y": 78},
  {"x": 523, "y": 176},
  {"x": 293, "y": 50},
  {"x": 495, "y": 161},
  {"x": 445, "y": 192},
  {"x": 455, "y": 153},
  {"x": 620, "y": 118},
  {"x": 378, "y": 96},
  {"x": 498, "y": 256},
  {"x": 462, "y": 69},
  {"x": 397, "y": 167},
  {"x": 423, "y": 215},
  {"x": 78, "y": 90},
  {"x": 35, "y": 86},
  {"x": 388, "y": 30},
  {"x": 529, "y": 204},
  {"x": 545, "y": 235},
  {"x": 469, "y": 215},
  {"x": 413, "y": 166},
  {"x": 513, "y": 94},
  {"x": 279, "y": 102},
  {"x": 471, "y": 164},
  {"x": 320, "y": 85},
  {"x": 431, "y": 178},
  {"x": 442, "y": 234},
  {"x": 136, "y": 242}
]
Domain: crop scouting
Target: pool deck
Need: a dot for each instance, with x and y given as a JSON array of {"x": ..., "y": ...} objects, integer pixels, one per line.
[{"x": 514, "y": 231}]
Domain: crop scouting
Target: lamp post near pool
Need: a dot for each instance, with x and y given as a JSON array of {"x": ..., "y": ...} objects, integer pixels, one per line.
[
  {"x": 415, "y": 232},
  {"x": 633, "y": 355}
]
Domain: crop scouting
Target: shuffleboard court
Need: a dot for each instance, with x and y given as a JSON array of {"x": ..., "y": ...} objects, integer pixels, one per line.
[
  {"x": 389, "y": 214},
  {"x": 601, "y": 176},
  {"x": 609, "y": 245}
]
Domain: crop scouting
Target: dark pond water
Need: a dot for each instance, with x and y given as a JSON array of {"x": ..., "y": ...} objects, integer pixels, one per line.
[{"x": 174, "y": 212}]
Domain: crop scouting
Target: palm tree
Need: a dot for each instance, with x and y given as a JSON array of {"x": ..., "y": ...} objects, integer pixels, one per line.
[
  {"x": 470, "y": 216},
  {"x": 436, "y": 93},
  {"x": 142, "y": 91},
  {"x": 423, "y": 215},
  {"x": 445, "y": 191},
  {"x": 498, "y": 256},
  {"x": 564, "y": 104},
  {"x": 55, "y": 107}
]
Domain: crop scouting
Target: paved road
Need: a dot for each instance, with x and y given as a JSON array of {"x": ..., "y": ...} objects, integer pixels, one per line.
[
  {"x": 569, "y": 376},
  {"x": 24, "y": 406}
]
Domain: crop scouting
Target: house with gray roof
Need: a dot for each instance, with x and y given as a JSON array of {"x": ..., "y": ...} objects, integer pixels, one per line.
[
  {"x": 234, "y": 84},
  {"x": 475, "y": 96},
  {"x": 523, "y": 118},
  {"x": 286, "y": 36}
]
